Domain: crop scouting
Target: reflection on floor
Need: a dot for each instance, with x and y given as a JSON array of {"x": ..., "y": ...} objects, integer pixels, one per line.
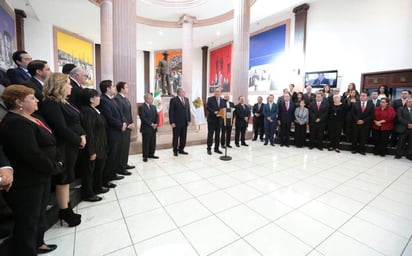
[{"x": 266, "y": 201}]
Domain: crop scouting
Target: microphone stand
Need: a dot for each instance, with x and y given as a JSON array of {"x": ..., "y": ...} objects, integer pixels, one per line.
[{"x": 225, "y": 157}]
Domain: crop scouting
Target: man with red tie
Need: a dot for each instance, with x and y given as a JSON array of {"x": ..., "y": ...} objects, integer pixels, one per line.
[
  {"x": 179, "y": 118},
  {"x": 286, "y": 116},
  {"x": 362, "y": 115},
  {"x": 318, "y": 113}
]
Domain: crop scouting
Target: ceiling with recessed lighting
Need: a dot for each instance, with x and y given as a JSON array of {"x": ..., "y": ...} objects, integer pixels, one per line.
[{"x": 83, "y": 17}]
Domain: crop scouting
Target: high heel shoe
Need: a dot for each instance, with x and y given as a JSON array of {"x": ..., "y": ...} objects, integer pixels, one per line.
[
  {"x": 71, "y": 208},
  {"x": 68, "y": 216}
]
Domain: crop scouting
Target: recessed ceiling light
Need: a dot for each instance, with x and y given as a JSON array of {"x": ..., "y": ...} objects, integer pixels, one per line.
[
  {"x": 218, "y": 33},
  {"x": 160, "y": 33}
]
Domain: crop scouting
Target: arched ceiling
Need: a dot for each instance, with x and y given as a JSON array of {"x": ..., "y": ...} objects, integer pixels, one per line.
[{"x": 83, "y": 17}]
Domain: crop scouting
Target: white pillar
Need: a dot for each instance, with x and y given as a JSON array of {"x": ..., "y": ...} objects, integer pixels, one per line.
[
  {"x": 187, "y": 53},
  {"x": 240, "y": 49},
  {"x": 106, "y": 34}
]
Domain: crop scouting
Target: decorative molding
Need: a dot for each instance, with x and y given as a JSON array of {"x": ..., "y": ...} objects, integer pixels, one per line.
[{"x": 301, "y": 9}]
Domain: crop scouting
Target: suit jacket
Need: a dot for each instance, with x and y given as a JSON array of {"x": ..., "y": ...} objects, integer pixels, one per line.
[
  {"x": 3, "y": 159},
  {"x": 30, "y": 148},
  {"x": 179, "y": 114},
  {"x": 17, "y": 75},
  {"x": 240, "y": 114},
  {"x": 94, "y": 125},
  {"x": 322, "y": 113},
  {"x": 308, "y": 99},
  {"x": 366, "y": 116},
  {"x": 148, "y": 117},
  {"x": 378, "y": 103},
  {"x": 125, "y": 108},
  {"x": 270, "y": 113},
  {"x": 404, "y": 119},
  {"x": 36, "y": 86},
  {"x": 74, "y": 97},
  {"x": 256, "y": 109},
  {"x": 114, "y": 119},
  {"x": 64, "y": 121},
  {"x": 286, "y": 116},
  {"x": 212, "y": 106},
  {"x": 397, "y": 104}
]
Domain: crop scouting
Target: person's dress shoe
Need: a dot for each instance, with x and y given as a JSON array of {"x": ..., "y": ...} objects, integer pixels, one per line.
[
  {"x": 237, "y": 145},
  {"x": 218, "y": 151},
  {"x": 183, "y": 152},
  {"x": 102, "y": 190},
  {"x": 92, "y": 199},
  {"x": 272, "y": 144},
  {"x": 244, "y": 144},
  {"x": 50, "y": 248},
  {"x": 398, "y": 157},
  {"x": 287, "y": 145},
  {"x": 265, "y": 144},
  {"x": 254, "y": 139},
  {"x": 337, "y": 150},
  {"x": 281, "y": 145},
  {"x": 261, "y": 140},
  {"x": 354, "y": 152},
  {"x": 144, "y": 159},
  {"x": 223, "y": 146},
  {"x": 130, "y": 167},
  {"x": 330, "y": 149},
  {"x": 117, "y": 177},
  {"x": 320, "y": 148},
  {"x": 154, "y": 157},
  {"x": 209, "y": 152},
  {"x": 362, "y": 153},
  {"x": 175, "y": 153},
  {"x": 229, "y": 146},
  {"x": 311, "y": 147},
  {"x": 124, "y": 172},
  {"x": 109, "y": 185}
]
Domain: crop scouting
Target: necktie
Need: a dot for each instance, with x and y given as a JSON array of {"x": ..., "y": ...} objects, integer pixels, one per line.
[
  {"x": 286, "y": 106},
  {"x": 114, "y": 102},
  {"x": 183, "y": 101},
  {"x": 318, "y": 105},
  {"x": 42, "y": 125},
  {"x": 363, "y": 106},
  {"x": 270, "y": 106},
  {"x": 410, "y": 114},
  {"x": 243, "y": 106},
  {"x": 127, "y": 100},
  {"x": 218, "y": 102}
]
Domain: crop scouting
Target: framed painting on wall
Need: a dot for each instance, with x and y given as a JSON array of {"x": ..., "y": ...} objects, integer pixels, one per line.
[
  {"x": 220, "y": 68},
  {"x": 7, "y": 36},
  {"x": 175, "y": 65},
  {"x": 71, "y": 48}
]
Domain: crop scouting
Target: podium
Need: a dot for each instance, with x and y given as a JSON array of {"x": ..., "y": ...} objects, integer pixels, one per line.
[{"x": 224, "y": 114}]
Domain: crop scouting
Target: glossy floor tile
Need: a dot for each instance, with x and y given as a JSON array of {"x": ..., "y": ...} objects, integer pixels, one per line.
[{"x": 265, "y": 201}]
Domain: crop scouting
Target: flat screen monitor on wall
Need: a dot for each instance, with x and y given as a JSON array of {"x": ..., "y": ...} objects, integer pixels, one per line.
[{"x": 319, "y": 79}]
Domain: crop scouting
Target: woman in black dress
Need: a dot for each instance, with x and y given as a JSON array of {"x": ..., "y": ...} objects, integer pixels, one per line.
[
  {"x": 337, "y": 113},
  {"x": 64, "y": 119},
  {"x": 30, "y": 146},
  {"x": 93, "y": 156}
]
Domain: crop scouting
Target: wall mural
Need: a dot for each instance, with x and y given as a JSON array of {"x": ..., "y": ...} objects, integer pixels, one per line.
[{"x": 220, "y": 69}]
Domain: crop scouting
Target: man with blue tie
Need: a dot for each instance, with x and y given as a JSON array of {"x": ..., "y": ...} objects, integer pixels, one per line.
[
  {"x": 270, "y": 112},
  {"x": 20, "y": 74},
  {"x": 286, "y": 116}
]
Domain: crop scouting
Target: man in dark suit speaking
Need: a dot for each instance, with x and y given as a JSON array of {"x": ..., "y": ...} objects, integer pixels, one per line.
[
  {"x": 214, "y": 122},
  {"x": 179, "y": 118}
]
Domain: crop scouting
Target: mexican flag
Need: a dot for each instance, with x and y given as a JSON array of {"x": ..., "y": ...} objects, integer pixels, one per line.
[{"x": 157, "y": 101}]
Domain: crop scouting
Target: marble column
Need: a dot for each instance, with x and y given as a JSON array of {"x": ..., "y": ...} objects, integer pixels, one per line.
[
  {"x": 106, "y": 35},
  {"x": 20, "y": 16},
  {"x": 187, "y": 53},
  {"x": 240, "y": 50},
  {"x": 205, "y": 51},
  {"x": 299, "y": 49},
  {"x": 124, "y": 50}
]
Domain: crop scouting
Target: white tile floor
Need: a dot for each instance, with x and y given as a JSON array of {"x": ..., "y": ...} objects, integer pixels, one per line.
[{"x": 266, "y": 201}]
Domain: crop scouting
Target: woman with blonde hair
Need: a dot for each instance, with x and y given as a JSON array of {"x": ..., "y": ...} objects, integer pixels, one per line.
[
  {"x": 30, "y": 146},
  {"x": 64, "y": 119}
]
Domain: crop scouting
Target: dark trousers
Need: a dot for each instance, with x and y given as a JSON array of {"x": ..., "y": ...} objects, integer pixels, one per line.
[
  {"x": 380, "y": 140},
  {"x": 92, "y": 179},
  {"x": 360, "y": 134},
  {"x": 29, "y": 206},
  {"x": 405, "y": 137},
  {"x": 270, "y": 128},
  {"x": 124, "y": 150},
  {"x": 148, "y": 144},
  {"x": 258, "y": 127},
  {"x": 240, "y": 131},
  {"x": 179, "y": 137},
  {"x": 226, "y": 135},
  {"x": 284, "y": 133},
  {"x": 335, "y": 132},
  {"x": 113, "y": 160},
  {"x": 300, "y": 134},
  {"x": 316, "y": 131},
  {"x": 213, "y": 128}
]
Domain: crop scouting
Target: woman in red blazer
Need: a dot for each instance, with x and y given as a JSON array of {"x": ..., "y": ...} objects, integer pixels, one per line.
[{"x": 382, "y": 126}]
